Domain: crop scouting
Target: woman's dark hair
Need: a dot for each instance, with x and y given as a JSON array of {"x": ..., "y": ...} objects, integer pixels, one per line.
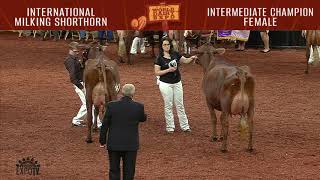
[{"x": 161, "y": 49}]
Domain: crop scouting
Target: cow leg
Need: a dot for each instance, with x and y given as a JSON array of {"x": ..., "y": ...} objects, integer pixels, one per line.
[
  {"x": 129, "y": 59},
  {"x": 250, "y": 123},
  {"x": 96, "y": 112},
  {"x": 89, "y": 115},
  {"x": 306, "y": 71},
  {"x": 121, "y": 60},
  {"x": 213, "y": 117},
  {"x": 152, "y": 43},
  {"x": 181, "y": 40},
  {"x": 128, "y": 42},
  {"x": 225, "y": 128}
]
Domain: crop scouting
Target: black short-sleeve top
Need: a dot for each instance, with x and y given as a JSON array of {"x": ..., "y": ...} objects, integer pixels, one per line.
[{"x": 171, "y": 77}]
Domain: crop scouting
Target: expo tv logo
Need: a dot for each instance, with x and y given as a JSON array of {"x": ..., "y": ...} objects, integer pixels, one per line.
[{"x": 27, "y": 166}]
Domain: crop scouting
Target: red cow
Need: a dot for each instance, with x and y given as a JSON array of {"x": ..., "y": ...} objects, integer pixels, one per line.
[
  {"x": 102, "y": 83},
  {"x": 229, "y": 89}
]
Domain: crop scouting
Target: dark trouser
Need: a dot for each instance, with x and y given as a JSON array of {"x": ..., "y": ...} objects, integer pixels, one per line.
[{"x": 129, "y": 164}]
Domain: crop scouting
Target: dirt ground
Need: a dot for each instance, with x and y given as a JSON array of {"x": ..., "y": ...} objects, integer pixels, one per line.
[{"x": 38, "y": 103}]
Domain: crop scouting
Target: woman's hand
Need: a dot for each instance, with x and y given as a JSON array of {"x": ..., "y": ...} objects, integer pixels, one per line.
[
  {"x": 194, "y": 58},
  {"x": 172, "y": 69},
  {"x": 159, "y": 72},
  {"x": 188, "y": 60}
]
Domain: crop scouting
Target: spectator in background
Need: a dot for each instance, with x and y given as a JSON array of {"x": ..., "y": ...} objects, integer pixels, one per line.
[
  {"x": 82, "y": 34},
  {"x": 105, "y": 35},
  {"x": 242, "y": 37},
  {"x": 101, "y": 36},
  {"x": 138, "y": 41}
]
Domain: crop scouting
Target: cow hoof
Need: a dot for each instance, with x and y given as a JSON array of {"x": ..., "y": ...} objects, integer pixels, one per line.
[
  {"x": 89, "y": 141},
  {"x": 95, "y": 129},
  {"x": 214, "y": 139},
  {"x": 221, "y": 139},
  {"x": 250, "y": 150},
  {"x": 306, "y": 71},
  {"x": 224, "y": 150}
]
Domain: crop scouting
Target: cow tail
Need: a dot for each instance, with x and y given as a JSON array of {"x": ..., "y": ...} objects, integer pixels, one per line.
[
  {"x": 244, "y": 127},
  {"x": 103, "y": 69}
]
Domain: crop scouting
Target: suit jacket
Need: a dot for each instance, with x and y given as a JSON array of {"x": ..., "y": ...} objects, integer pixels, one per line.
[{"x": 121, "y": 122}]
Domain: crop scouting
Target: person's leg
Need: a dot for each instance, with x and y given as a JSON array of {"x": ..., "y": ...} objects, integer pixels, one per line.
[
  {"x": 109, "y": 35},
  {"x": 265, "y": 38},
  {"x": 114, "y": 165},
  {"x": 129, "y": 164},
  {"x": 142, "y": 46},
  {"x": 134, "y": 45},
  {"x": 178, "y": 102},
  {"x": 100, "y": 36},
  {"x": 55, "y": 35},
  {"x": 241, "y": 46},
  {"x": 167, "y": 94},
  {"x": 83, "y": 109},
  {"x": 82, "y": 35}
]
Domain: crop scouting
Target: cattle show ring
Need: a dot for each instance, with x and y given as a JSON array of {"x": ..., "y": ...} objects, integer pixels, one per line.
[{"x": 38, "y": 103}]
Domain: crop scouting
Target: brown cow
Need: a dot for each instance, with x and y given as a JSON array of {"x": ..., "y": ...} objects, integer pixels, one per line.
[
  {"x": 124, "y": 45},
  {"x": 312, "y": 38},
  {"x": 229, "y": 89},
  {"x": 102, "y": 83}
]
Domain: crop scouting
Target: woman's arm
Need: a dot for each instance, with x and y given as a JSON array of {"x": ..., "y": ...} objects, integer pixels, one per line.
[
  {"x": 187, "y": 60},
  {"x": 159, "y": 72}
]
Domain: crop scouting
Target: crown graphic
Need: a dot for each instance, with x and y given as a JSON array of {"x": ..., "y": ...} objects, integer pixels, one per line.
[{"x": 27, "y": 165}]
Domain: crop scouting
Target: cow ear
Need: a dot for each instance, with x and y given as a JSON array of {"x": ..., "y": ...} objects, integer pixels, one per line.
[
  {"x": 219, "y": 51},
  {"x": 245, "y": 68}
]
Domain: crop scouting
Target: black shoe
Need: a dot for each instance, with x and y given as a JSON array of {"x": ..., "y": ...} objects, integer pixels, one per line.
[
  {"x": 78, "y": 125},
  {"x": 187, "y": 130}
]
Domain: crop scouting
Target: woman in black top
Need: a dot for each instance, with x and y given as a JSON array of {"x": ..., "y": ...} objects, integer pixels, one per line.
[{"x": 167, "y": 67}]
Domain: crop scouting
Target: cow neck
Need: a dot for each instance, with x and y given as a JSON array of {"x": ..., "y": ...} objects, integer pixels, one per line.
[{"x": 208, "y": 63}]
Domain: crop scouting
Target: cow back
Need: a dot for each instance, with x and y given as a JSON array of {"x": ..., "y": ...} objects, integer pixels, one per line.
[
  {"x": 313, "y": 37},
  {"x": 93, "y": 75}
]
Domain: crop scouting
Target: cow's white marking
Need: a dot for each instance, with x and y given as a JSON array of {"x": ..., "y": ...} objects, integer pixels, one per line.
[{"x": 117, "y": 87}]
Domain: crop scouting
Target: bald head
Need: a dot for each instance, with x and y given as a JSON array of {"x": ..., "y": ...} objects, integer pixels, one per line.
[{"x": 128, "y": 90}]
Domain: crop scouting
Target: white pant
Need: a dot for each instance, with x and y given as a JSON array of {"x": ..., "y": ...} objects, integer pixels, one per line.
[
  {"x": 136, "y": 41},
  {"x": 173, "y": 93},
  {"x": 83, "y": 109}
]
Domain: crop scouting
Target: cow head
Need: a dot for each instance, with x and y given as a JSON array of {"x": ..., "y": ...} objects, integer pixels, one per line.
[
  {"x": 238, "y": 89},
  {"x": 93, "y": 50},
  {"x": 206, "y": 54}
]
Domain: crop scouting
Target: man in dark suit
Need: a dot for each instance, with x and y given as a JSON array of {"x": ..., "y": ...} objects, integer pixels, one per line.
[{"x": 121, "y": 121}]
